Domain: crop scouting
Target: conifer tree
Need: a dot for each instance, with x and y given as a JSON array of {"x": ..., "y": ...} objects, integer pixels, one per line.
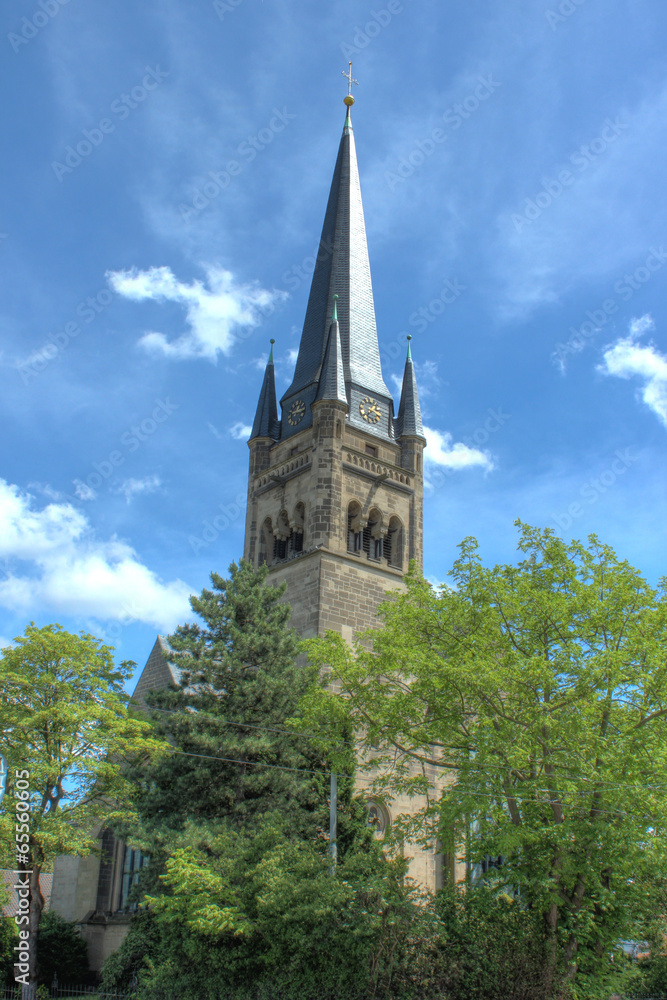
[
  {"x": 241, "y": 680},
  {"x": 242, "y": 792}
]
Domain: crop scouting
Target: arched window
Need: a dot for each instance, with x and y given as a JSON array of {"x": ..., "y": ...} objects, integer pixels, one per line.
[
  {"x": 266, "y": 543},
  {"x": 378, "y": 819},
  {"x": 479, "y": 874},
  {"x": 281, "y": 537},
  {"x": 355, "y": 527},
  {"x": 393, "y": 543},
  {"x": 373, "y": 535},
  {"x": 296, "y": 538},
  {"x": 133, "y": 862}
]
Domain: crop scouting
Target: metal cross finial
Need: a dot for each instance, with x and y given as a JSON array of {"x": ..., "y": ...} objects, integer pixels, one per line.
[{"x": 350, "y": 80}]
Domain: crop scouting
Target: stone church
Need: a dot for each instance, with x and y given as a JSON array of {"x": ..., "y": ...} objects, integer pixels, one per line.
[{"x": 335, "y": 507}]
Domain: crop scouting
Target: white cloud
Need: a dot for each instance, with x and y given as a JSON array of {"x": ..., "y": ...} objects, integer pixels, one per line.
[
  {"x": 54, "y": 561},
  {"x": 83, "y": 491},
  {"x": 134, "y": 487},
  {"x": 215, "y": 315},
  {"x": 427, "y": 377},
  {"x": 445, "y": 453},
  {"x": 626, "y": 358},
  {"x": 4, "y": 643},
  {"x": 45, "y": 489},
  {"x": 40, "y": 356},
  {"x": 640, "y": 325},
  {"x": 239, "y": 431},
  {"x": 216, "y": 433}
]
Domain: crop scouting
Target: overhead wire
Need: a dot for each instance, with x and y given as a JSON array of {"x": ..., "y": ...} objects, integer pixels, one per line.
[
  {"x": 250, "y": 725},
  {"x": 251, "y": 763},
  {"x": 474, "y": 795},
  {"x": 610, "y": 786}
]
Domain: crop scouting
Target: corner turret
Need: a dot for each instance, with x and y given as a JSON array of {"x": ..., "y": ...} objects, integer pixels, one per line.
[{"x": 266, "y": 423}]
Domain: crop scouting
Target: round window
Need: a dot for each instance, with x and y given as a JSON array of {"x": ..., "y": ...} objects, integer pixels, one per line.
[{"x": 378, "y": 819}]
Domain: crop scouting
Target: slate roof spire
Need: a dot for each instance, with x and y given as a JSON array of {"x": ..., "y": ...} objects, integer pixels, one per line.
[
  {"x": 266, "y": 423},
  {"x": 332, "y": 375},
  {"x": 408, "y": 423},
  {"x": 342, "y": 268}
]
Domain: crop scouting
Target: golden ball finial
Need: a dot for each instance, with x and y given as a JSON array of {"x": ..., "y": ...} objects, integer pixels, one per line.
[{"x": 349, "y": 100}]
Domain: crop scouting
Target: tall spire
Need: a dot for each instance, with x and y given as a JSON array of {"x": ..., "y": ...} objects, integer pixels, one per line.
[
  {"x": 408, "y": 423},
  {"x": 342, "y": 268},
  {"x": 332, "y": 376},
  {"x": 266, "y": 423}
]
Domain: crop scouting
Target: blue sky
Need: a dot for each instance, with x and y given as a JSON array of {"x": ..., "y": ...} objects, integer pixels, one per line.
[{"x": 167, "y": 166}]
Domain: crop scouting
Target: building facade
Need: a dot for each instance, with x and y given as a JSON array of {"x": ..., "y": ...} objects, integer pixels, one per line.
[{"x": 94, "y": 891}]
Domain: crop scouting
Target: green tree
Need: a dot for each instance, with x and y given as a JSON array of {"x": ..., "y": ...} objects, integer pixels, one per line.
[
  {"x": 241, "y": 681},
  {"x": 69, "y": 739},
  {"x": 244, "y": 782},
  {"x": 541, "y": 690},
  {"x": 249, "y": 912},
  {"x": 493, "y": 947},
  {"x": 8, "y": 938}
]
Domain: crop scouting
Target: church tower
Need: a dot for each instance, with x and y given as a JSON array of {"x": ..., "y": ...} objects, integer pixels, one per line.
[
  {"x": 335, "y": 486},
  {"x": 335, "y": 495}
]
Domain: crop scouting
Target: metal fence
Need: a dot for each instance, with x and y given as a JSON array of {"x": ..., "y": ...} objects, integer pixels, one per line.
[
  {"x": 15, "y": 991},
  {"x": 265, "y": 991},
  {"x": 18, "y": 992}
]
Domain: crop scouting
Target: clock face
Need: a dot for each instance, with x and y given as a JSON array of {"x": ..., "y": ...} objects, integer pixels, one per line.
[
  {"x": 296, "y": 412},
  {"x": 370, "y": 410}
]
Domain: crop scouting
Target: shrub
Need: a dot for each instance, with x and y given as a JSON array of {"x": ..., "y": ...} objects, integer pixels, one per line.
[
  {"x": 8, "y": 937},
  {"x": 61, "y": 950}
]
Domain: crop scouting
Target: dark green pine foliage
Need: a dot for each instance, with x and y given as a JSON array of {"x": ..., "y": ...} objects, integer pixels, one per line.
[{"x": 240, "y": 678}]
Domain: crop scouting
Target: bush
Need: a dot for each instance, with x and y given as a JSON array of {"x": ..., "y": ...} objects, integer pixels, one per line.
[
  {"x": 8, "y": 938},
  {"x": 61, "y": 950},
  {"x": 136, "y": 954},
  {"x": 653, "y": 973},
  {"x": 493, "y": 947},
  {"x": 300, "y": 933}
]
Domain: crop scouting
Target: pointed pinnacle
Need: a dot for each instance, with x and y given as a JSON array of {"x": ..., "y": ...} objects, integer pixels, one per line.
[
  {"x": 270, "y": 361},
  {"x": 334, "y": 318},
  {"x": 409, "y": 357}
]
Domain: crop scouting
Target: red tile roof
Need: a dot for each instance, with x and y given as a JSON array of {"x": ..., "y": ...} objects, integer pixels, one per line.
[{"x": 8, "y": 880}]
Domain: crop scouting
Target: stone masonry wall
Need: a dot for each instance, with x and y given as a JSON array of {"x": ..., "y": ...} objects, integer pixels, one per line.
[{"x": 325, "y": 467}]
